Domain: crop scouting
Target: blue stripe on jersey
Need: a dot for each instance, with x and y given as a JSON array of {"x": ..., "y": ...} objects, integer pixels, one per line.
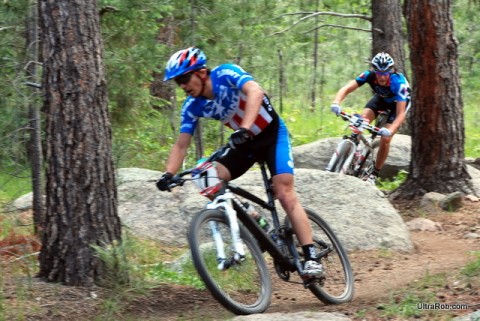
[
  {"x": 397, "y": 91},
  {"x": 284, "y": 153}
]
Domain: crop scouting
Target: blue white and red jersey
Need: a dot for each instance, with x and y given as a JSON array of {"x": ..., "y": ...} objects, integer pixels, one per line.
[
  {"x": 228, "y": 104},
  {"x": 397, "y": 89}
]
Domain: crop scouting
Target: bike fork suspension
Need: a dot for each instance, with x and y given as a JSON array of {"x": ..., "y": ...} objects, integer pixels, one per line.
[
  {"x": 235, "y": 229},
  {"x": 238, "y": 249},
  {"x": 219, "y": 245}
]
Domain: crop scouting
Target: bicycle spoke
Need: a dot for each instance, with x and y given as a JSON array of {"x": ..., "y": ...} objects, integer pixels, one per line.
[
  {"x": 337, "y": 286},
  {"x": 240, "y": 282}
]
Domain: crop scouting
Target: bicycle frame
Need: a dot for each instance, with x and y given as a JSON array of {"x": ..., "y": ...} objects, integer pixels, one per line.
[
  {"x": 356, "y": 147},
  {"x": 225, "y": 231},
  {"x": 239, "y": 211},
  {"x": 235, "y": 210}
]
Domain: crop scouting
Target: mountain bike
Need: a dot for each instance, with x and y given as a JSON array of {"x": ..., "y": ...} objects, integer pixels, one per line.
[
  {"x": 228, "y": 246},
  {"x": 356, "y": 154}
]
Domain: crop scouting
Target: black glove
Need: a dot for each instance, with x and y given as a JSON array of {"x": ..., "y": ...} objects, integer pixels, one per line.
[
  {"x": 164, "y": 181},
  {"x": 240, "y": 136}
]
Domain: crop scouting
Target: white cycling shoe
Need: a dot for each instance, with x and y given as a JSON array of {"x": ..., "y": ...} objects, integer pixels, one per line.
[{"x": 313, "y": 269}]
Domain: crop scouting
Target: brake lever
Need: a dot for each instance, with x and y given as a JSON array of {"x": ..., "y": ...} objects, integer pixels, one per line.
[{"x": 175, "y": 181}]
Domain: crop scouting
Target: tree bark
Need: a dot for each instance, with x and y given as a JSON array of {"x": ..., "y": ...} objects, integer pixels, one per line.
[
  {"x": 35, "y": 143},
  {"x": 388, "y": 36},
  {"x": 387, "y": 31},
  {"x": 438, "y": 135},
  {"x": 81, "y": 208}
]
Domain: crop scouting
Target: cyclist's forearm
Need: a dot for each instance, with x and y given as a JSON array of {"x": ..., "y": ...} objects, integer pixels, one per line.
[
  {"x": 399, "y": 119},
  {"x": 397, "y": 123},
  {"x": 175, "y": 160},
  {"x": 178, "y": 153},
  {"x": 344, "y": 91}
]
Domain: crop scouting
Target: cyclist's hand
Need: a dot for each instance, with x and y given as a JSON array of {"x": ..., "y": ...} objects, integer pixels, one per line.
[
  {"x": 164, "y": 181},
  {"x": 336, "y": 109},
  {"x": 384, "y": 132},
  {"x": 240, "y": 136}
]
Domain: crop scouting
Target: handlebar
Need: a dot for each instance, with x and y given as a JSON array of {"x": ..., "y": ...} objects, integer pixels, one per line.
[
  {"x": 358, "y": 123},
  {"x": 179, "y": 180}
]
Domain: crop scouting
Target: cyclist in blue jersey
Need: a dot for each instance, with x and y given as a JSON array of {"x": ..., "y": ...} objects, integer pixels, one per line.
[
  {"x": 391, "y": 92},
  {"x": 231, "y": 95}
]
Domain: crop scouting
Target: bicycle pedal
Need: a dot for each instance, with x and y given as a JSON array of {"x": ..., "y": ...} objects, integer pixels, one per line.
[{"x": 310, "y": 279}]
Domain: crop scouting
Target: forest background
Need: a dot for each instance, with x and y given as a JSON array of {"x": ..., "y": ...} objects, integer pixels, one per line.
[{"x": 300, "y": 62}]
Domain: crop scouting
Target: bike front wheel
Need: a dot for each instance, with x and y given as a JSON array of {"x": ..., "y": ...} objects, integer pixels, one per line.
[
  {"x": 338, "y": 285},
  {"x": 241, "y": 283},
  {"x": 368, "y": 163},
  {"x": 343, "y": 153}
]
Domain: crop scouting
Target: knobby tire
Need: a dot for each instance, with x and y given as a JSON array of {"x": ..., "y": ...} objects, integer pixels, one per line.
[
  {"x": 338, "y": 285},
  {"x": 243, "y": 288},
  {"x": 343, "y": 154}
]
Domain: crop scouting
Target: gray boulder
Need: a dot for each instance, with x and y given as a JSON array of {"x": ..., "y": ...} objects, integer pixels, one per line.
[
  {"x": 475, "y": 175},
  {"x": 359, "y": 213}
]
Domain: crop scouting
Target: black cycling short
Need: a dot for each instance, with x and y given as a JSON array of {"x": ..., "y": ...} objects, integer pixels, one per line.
[
  {"x": 272, "y": 145},
  {"x": 377, "y": 104}
]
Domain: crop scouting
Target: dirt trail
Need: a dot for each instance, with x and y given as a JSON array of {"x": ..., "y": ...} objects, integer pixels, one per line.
[{"x": 377, "y": 275}]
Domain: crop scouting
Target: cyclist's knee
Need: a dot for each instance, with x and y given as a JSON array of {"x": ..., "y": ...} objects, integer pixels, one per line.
[
  {"x": 283, "y": 187},
  {"x": 369, "y": 114},
  {"x": 289, "y": 201},
  {"x": 386, "y": 140},
  {"x": 223, "y": 172},
  {"x": 285, "y": 196}
]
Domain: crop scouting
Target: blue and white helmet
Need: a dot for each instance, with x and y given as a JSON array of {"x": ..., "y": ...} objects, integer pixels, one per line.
[
  {"x": 184, "y": 61},
  {"x": 382, "y": 62}
]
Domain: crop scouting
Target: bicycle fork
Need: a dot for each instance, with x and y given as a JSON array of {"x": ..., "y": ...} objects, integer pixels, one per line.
[
  {"x": 337, "y": 153},
  {"x": 224, "y": 263}
]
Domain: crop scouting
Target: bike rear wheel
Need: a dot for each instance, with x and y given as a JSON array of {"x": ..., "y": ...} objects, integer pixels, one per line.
[
  {"x": 245, "y": 286},
  {"x": 338, "y": 285}
]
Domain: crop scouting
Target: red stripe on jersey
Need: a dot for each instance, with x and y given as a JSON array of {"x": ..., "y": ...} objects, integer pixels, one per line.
[
  {"x": 237, "y": 119},
  {"x": 261, "y": 122},
  {"x": 242, "y": 104}
]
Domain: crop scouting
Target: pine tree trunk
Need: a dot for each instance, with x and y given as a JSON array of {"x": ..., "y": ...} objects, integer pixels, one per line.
[
  {"x": 387, "y": 31},
  {"x": 81, "y": 208},
  {"x": 35, "y": 143},
  {"x": 388, "y": 36},
  {"x": 438, "y": 136}
]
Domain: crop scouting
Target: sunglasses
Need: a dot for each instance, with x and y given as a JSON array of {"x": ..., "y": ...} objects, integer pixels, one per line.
[
  {"x": 183, "y": 79},
  {"x": 382, "y": 73}
]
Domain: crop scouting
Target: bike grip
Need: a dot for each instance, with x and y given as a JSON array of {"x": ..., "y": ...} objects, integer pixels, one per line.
[{"x": 176, "y": 181}]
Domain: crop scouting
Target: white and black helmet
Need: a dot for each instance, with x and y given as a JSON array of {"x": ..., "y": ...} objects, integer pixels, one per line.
[{"x": 382, "y": 62}]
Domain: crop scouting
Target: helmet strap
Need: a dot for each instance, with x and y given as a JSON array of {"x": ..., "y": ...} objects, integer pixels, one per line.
[{"x": 203, "y": 79}]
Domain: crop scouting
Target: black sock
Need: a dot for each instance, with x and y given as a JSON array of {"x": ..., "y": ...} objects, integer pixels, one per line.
[{"x": 310, "y": 252}]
